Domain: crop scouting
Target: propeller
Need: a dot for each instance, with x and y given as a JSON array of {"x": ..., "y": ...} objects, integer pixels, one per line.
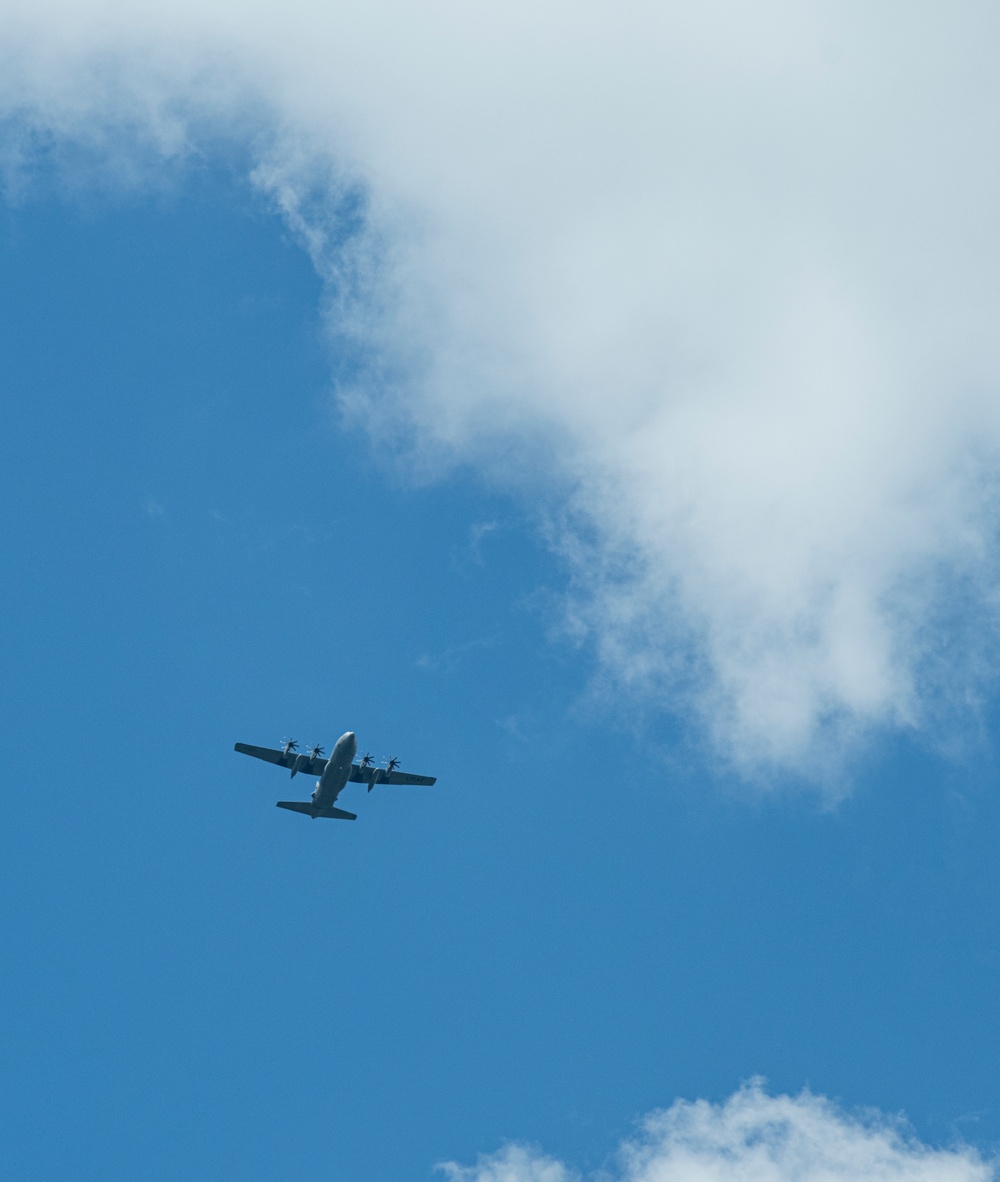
[
  {"x": 289, "y": 745},
  {"x": 316, "y": 752},
  {"x": 392, "y": 764},
  {"x": 366, "y": 760}
]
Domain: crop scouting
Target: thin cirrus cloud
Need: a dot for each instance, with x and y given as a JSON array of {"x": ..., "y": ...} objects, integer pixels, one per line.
[
  {"x": 716, "y": 284},
  {"x": 751, "y": 1137}
]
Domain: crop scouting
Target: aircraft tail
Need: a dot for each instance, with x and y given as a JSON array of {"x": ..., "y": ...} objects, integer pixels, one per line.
[{"x": 310, "y": 810}]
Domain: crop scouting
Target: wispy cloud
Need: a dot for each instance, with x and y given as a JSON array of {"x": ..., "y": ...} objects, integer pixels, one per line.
[
  {"x": 751, "y": 1137},
  {"x": 450, "y": 659},
  {"x": 716, "y": 284}
]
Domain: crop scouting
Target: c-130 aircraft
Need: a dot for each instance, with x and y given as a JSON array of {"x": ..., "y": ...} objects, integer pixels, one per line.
[{"x": 334, "y": 774}]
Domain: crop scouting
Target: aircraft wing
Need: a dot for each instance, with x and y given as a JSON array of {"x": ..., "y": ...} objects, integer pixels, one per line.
[
  {"x": 366, "y": 775},
  {"x": 307, "y": 765}
]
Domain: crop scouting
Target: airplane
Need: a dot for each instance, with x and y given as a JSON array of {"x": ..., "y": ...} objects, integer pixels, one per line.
[{"x": 334, "y": 774}]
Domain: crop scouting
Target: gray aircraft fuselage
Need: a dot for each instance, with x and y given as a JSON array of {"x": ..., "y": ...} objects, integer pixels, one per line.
[{"x": 335, "y": 775}]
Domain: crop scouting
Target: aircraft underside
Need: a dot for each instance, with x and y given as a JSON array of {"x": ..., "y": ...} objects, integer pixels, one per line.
[{"x": 334, "y": 774}]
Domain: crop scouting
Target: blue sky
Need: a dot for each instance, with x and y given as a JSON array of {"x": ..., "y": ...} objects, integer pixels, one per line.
[
  {"x": 629, "y": 886},
  {"x": 563, "y": 934}
]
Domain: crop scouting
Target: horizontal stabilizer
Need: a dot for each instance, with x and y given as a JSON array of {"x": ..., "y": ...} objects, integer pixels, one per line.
[{"x": 310, "y": 810}]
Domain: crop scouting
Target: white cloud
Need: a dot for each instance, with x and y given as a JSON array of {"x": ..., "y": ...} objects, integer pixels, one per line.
[
  {"x": 751, "y": 1137},
  {"x": 719, "y": 282}
]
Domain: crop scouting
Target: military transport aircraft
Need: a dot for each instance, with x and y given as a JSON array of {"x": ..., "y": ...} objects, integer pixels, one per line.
[{"x": 334, "y": 774}]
